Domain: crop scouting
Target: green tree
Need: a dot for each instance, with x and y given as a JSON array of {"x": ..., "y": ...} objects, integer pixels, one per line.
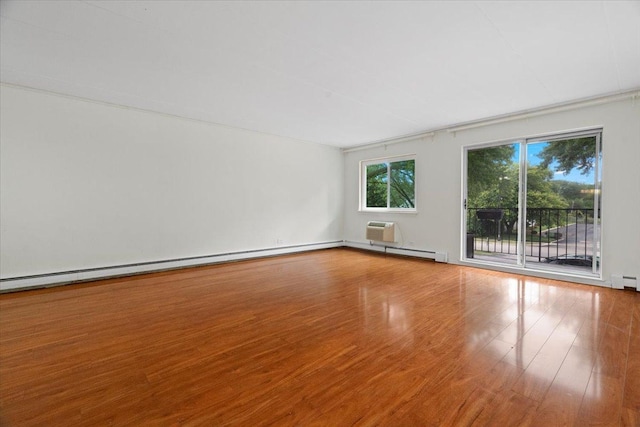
[
  {"x": 485, "y": 168},
  {"x": 395, "y": 180},
  {"x": 540, "y": 194},
  {"x": 503, "y": 194},
  {"x": 577, "y": 195},
  {"x": 567, "y": 154},
  {"x": 402, "y": 184},
  {"x": 377, "y": 185}
]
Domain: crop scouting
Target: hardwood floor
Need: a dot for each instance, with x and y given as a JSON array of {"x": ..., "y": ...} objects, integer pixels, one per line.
[{"x": 334, "y": 337}]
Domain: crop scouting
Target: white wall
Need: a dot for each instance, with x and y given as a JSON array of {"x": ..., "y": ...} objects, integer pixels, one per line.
[
  {"x": 88, "y": 185},
  {"x": 437, "y": 225}
]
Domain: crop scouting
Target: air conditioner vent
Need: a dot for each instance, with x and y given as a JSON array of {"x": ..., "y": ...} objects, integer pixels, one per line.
[{"x": 381, "y": 231}]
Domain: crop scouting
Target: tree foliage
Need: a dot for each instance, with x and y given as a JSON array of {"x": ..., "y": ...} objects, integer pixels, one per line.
[
  {"x": 486, "y": 166},
  {"x": 540, "y": 192},
  {"x": 577, "y": 195},
  {"x": 503, "y": 194},
  {"x": 567, "y": 154},
  {"x": 402, "y": 185},
  {"x": 493, "y": 176},
  {"x": 395, "y": 180},
  {"x": 377, "y": 185}
]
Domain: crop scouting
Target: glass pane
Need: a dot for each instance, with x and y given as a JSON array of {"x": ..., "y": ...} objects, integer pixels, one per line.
[
  {"x": 377, "y": 185},
  {"x": 492, "y": 203},
  {"x": 402, "y": 186},
  {"x": 561, "y": 220}
]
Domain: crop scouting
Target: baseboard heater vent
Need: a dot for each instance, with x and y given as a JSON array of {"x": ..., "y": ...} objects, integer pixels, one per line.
[
  {"x": 419, "y": 253},
  {"x": 619, "y": 281},
  {"x": 437, "y": 256},
  {"x": 11, "y": 284},
  {"x": 381, "y": 231}
]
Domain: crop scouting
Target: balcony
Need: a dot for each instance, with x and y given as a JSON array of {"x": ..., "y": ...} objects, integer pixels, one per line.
[{"x": 557, "y": 239}]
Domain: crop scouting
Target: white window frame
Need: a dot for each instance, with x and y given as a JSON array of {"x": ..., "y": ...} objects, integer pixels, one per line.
[{"x": 363, "y": 184}]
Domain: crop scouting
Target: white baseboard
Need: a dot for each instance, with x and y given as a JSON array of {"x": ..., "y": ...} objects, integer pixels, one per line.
[
  {"x": 365, "y": 246},
  {"x": 419, "y": 253},
  {"x": 68, "y": 277}
]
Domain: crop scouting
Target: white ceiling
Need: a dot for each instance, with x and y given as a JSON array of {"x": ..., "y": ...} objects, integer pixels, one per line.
[{"x": 338, "y": 73}]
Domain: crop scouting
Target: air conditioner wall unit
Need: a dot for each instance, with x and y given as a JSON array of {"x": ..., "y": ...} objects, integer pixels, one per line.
[{"x": 381, "y": 231}]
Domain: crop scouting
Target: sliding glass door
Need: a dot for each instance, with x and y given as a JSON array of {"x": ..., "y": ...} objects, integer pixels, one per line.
[
  {"x": 535, "y": 203},
  {"x": 493, "y": 175}
]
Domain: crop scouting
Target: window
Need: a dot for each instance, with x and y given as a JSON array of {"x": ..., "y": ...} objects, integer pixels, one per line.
[{"x": 388, "y": 184}]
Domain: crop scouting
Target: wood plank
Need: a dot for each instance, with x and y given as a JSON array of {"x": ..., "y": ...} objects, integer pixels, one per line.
[
  {"x": 631, "y": 399},
  {"x": 330, "y": 337},
  {"x": 508, "y": 409},
  {"x": 602, "y": 402},
  {"x": 540, "y": 373},
  {"x": 561, "y": 404}
]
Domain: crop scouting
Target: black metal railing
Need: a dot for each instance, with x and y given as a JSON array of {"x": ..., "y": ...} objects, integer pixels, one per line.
[{"x": 563, "y": 236}]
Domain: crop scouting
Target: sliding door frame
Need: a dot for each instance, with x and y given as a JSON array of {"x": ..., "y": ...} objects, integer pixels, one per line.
[{"x": 524, "y": 142}]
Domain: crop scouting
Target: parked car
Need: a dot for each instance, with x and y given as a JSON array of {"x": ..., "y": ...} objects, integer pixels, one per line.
[{"x": 577, "y": 260}]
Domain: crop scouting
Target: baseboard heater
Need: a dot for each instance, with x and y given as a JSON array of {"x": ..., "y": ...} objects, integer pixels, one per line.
[
  {"x": 11, "y": 284},
  {"x": 619, "y": 281},
  {"x": 437, "y": 256},
  {"x": 394, "y": 250}
]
